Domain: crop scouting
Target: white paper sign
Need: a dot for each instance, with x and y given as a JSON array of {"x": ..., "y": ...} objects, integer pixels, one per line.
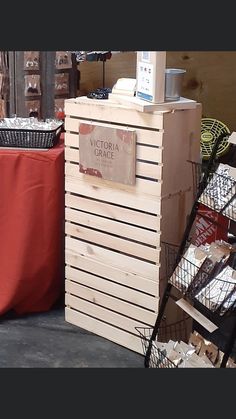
[{"x": 145, "y": 80}]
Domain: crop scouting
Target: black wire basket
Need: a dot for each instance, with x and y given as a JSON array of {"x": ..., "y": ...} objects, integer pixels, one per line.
[
  {"x": 220, "y": 195},
  {"x": 200, "y": 175},
  {"x": 175, "y": 331},
  {"x": 29, "y": 138},
  {"x": 171, "y": 255},
  {"x": 202, "y": 284},
  {"x": 157, "y": 359}
]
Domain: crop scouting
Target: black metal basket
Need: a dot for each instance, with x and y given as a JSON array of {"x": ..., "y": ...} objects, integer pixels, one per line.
[
  {"x": 220, "y": 195},
  {"x": 27, "y": 138},
  {"x": 200, "y": 283},
  {"x": 171, "y": 255},
  {"x": 201, "y": 175},
  {"x": 175, "y": 331},
  {"x": 157, "y": 358}
]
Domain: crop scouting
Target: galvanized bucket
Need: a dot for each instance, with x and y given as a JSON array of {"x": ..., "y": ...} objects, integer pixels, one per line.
[{"x": 173, "y": 83}]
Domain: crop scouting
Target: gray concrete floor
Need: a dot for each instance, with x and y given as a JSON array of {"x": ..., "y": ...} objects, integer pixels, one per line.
[{"x": 46, "y": 340}]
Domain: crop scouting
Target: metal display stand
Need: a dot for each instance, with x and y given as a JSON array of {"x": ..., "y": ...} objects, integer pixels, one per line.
[{"x": 218, "y": 322}]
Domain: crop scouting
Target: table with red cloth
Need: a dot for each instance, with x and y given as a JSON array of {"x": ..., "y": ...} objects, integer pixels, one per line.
[{"x": 31, "y": 228}]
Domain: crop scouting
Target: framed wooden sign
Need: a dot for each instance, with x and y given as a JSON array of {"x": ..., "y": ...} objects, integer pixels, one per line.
[{"x": 107, "y": 152}]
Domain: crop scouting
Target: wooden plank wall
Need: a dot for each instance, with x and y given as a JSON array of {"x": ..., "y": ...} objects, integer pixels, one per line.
[{"x": 210, "y": 78}]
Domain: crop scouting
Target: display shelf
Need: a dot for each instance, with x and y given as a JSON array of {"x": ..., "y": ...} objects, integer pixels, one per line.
[
  {"x": 142, "y": 106},
  {"x": 206, "y": 287},
  {"x": 39, "y": 82}
]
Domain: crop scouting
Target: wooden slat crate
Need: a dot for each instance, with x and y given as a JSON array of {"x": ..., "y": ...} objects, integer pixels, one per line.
[{"x": 115, "y": 270}]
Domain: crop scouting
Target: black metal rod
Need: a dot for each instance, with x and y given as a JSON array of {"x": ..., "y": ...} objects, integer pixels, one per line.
[
  {"x": 187, "y": 231},
  {"x": 157, "y": 324}
]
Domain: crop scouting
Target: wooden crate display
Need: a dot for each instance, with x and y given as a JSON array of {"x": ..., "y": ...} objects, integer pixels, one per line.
[{"x": 115, "y": 270}]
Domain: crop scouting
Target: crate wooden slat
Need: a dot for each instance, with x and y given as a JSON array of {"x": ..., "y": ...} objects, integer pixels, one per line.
[
  {"x": 113, "y": 258},
  {"x": 144, "y": 169},
  {"x": 125, "y": 116},
  {"x": 142, "y": 186},
  {"x": 146, "y": 153},
  {"x": 112, "y": 288},
  {"x": 103, "y": 329},
  {"x": 107, "y": 240},
  {"x": 97, "y": 311},
  {"x": 112, "y": 273},
  {"x": 113, "y": 212},
  {"x": 149, "y": 153},
  {"x": 115, "y": 270},
  {"x": 136, "y": 201},
  {"x": 111, "y": 303},
  {"x": 153, "y": 138},
  {"x": 116, "y": 227}
]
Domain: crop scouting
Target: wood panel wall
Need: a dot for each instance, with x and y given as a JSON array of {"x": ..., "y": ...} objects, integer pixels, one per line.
[{"x": 210, "y": 78}]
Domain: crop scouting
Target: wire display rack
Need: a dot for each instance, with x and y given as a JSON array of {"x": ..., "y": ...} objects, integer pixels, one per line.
[
  {"x": 175, "y": 331},
  {"x": 200, "y": 285}
]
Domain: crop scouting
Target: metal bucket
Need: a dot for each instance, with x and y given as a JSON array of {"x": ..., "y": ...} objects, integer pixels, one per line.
[{"x": 173, "y": 83}]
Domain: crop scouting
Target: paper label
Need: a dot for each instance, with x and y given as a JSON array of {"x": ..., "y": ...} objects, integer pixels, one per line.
[{"x": 145, "y": 81}]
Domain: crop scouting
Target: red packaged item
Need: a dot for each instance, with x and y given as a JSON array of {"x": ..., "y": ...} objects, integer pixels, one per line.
[{"x": 209, "y": 226}]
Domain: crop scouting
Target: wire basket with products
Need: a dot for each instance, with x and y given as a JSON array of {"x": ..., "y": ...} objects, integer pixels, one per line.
[
  {"x": 29, "y": 132},
  {"x": 220, "y": 191},
  {"x": 176, "y": 351},
  {"x": 206, "y": 274},
  {"x": 168, "y": 333},
  {"x": 178, "y": 345}
]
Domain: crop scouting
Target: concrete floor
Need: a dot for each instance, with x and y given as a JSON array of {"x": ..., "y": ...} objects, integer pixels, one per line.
[{"x": 46, "y": 340}]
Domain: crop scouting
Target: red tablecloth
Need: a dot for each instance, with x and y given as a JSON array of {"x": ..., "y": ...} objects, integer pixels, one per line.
[{"x": 31, "y": 228}]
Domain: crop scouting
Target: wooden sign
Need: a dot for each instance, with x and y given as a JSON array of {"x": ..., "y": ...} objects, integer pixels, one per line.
[{"x": 107, "y": 152}]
